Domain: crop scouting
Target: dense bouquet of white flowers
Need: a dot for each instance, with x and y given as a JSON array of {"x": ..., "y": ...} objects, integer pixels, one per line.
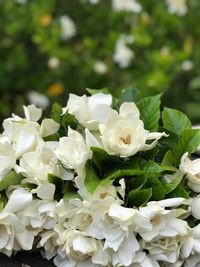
[{"x": 105, "y": 181}]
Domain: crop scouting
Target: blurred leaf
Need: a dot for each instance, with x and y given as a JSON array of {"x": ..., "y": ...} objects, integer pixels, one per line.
[{"x": 12, "y": 178}]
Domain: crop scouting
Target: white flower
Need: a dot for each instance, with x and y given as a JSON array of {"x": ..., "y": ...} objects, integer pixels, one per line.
[
  {"x": 124, "y": 133},
  {"x": 100, "y": 67},
  {"x": 36, "y": 165},
  {"x": 68, "y": 27},
  {"x": 26, "y": 134},
  {"x": 21, "y": 2},
  {"x": 164, "y": 222},
  {"x": 40, "y": 100},
  {"x": 195, "y": 207},
  {"x": 192, "y": 261},
  {"x": 165, "y": 249},
  {"x": 73, "y": 151},
  {"x": 192, "y": 170},
  {"x": 53, "y": 63},
  {"x": 13, "y": 235},
  {"x": 7, "y": 157},
  {"x": 89, "y": 111},
  {"x": 192, "y": 245},
  {"x": 126, "y": 5},
  {"x": 178, "y": 7},
  {"x": 123, "y": 54},
  {"x": 187, "y": 65}
]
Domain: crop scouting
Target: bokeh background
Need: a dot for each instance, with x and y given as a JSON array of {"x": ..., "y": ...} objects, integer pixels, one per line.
[{"x": 53, "y": 47}]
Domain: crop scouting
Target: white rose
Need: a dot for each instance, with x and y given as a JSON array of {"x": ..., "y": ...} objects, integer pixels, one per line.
[
  {"x": 73, "y": 151},
  {"x": 89, "y": 111},
  {"x": 7, "y": 157},
  {"x": 192, "y": 170},
  {"x": 124, "y": 133}
]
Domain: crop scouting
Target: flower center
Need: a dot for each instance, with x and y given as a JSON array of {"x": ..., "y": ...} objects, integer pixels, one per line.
[{"x": 126, "y": 140}]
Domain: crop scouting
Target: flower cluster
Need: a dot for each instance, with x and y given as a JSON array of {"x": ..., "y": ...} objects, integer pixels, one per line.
[{"x": 100, "y": 183}]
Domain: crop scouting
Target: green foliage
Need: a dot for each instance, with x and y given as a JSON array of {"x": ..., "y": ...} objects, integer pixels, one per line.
[
  {"x": 175, "y": 121},
  {"x": 12, "y": 178},
  {"x": 162, "y": 44},
  {"x": 150, "y": 112}
]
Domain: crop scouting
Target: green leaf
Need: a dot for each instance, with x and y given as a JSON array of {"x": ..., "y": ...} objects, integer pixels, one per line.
[
  {"x": 150, "y": 112},
  {"x": 188, "y": 142},
  {"x": 59, "y": 184},
  {"x": 177, "y": 178},
  {"x": 56, "y": 113},
  {"x": 175, "y": 121},
  {"x": 152, "y": 167},
  {"x": 178, "y": 192},
  {"x": 3, "y": 200},
  {"x": 12, "y": 178},
  {"x": 136, "y": 182},
  {"x": 158, "y": 191},
  {"x": 70, "y": 191},
  {"x": 129, "y": 95},
  {"x": 138, "y": 198},
  {"x": 92, "y": 181}
]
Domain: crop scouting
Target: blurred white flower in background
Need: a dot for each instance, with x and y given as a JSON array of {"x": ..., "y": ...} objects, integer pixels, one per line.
[
  {"x": 178, "y": 7},
  {"x": 37, "y": 99},
  {"x": 126, "y": 5},
  {"x": 93, "y": 2},
  {"x": 123, "y": 54},
  {"x": 100, "y": 67},
  {"x": 21, "y": 2},
  {"x": 187, "y": 65},
  {"x": 68, "y": 27},
  {"x": 53, "y": 62}
]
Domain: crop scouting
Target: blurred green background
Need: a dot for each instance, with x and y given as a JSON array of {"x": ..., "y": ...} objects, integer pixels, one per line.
[{"x": 55, "y": 47}]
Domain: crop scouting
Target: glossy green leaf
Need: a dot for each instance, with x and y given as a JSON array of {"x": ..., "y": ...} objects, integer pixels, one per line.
[
  {"x": 92, "y": 180},
  {"x": 12, "y": 178},
  {"x": 138, "y": 198},
  {"x": 150, "y": 112},
  {"x": 177, "y": 178},
  {"x": 175, "y": 121},
  {"x": 129, "y": 95}
]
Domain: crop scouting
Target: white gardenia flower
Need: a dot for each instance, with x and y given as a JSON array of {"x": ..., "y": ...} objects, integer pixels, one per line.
[
  {"x": 39, "y": 215},
  {"x": 13, "y": 235},
  {"x": 100, "y": 67},
  {"x": 68, "y": 27},
  {"x": 35, "y": 165},
  {"x": 37, "y": 99},
  {"x": 7, "y": 156},
  {"x": 73, "y": 151},
  {"x": 165, "y": 249},
  {"x": 178, "y": 7},
  {"x": 53, "y": 63},
  {"x": 126, "y": 5},
  {"x": 26, "y": 134},
  {"x": 123, "y": 55},
  {"x": 187, "y": 65},
  {"x": 89, "y": 111},
  {"x": 192, "y": 170},
  {"x": 124, "y": 133}
]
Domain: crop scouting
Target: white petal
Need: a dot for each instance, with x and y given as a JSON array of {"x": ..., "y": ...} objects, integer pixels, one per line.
[
  {"x": 187, "y": 247},
  {"x": 32, "y": 113},
  {"x": 25, "y": 240},
  {"x": 173, "y": 202},
  {"x": 18, "y": 200},
  {"x": 127, "y": 108},
  {"x": 152, "y": 136},
  {"x": 25, "y": 142},
  {"x": 49, "y": 127},
  {"x": 91, "y": 141},
  {"x": 195, "y": 208},
  {"x": 121, "y": 213},
  {"x": 100, "y": 99},
  {"x": 46, "y": 191}
]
